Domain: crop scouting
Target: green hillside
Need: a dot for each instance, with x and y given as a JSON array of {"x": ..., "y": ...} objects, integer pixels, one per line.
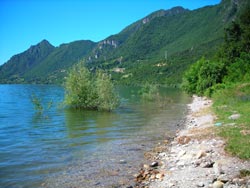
[
  {"x": 157, "y": 48},
  {"x": 54, "y": 67},
  {"x": 165, "y": 43},
  {"x": 14, "y": 70}
]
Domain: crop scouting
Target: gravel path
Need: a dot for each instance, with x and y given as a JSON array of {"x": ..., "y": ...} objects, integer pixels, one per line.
[{"x": 195, "y": 158}]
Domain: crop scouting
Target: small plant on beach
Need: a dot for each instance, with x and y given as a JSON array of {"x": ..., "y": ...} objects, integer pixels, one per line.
[
  {"x": 244, "y": 173},
  {"x": 85, "y": 90}
]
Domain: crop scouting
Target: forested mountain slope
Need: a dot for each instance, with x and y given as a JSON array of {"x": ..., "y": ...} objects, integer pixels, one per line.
[{"x": 157, "y": 48}]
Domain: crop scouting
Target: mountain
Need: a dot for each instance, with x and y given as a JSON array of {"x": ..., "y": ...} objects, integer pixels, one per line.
[
  {"x": 156, "y": 48},
  {"x": 114, "y": 45},
  {"x": 44, "y": 63},
  {"x": 19, "y": 64},
  {"x": 163, "y": 44},
  {"x": 54, "y": 67}
]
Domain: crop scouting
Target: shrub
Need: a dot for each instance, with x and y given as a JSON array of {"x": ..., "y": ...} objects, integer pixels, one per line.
[
  {"x": 38, "y": 103},
  {"x": 203, "y": 75},
  {"x": 89, "y": 91},
  {"x": 240, "y": 70},
  {"x": 190, "y": 79},
  {"x": 107, "y": 98},
  {"x": 149, "y": 92}
]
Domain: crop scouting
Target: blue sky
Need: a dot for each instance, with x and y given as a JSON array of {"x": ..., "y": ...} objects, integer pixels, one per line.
[{"x": 26, "y": 22}]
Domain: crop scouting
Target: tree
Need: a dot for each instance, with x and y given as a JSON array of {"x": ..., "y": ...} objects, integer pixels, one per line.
[
  {"x": 89, "y": 91},
  {"x": 203, "y": 75},
  {"x": 107, "y": 97},
  {"x": 190, "y": 78}
]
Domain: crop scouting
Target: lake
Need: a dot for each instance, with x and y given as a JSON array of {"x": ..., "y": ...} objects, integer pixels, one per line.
[{"x": 58, "y": 147}]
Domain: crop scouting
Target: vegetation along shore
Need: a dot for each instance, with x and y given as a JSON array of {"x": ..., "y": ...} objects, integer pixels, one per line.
[{"x": 198, "y": 156}]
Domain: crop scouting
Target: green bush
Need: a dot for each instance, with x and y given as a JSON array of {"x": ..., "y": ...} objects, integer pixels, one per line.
[
  {"x": 190, "y": 79},
  {"x": 149, "y": 92},
  {"x": 90, "y": 91},
  {"x": 240, "y": 70},
  {"x": 107, "y": 98},
  {"x": 38, "y": 104},
  {"x": 203, "y": 75}
]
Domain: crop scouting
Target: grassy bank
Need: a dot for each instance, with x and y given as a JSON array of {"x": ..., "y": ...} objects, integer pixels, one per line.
[{"x": 232, "y": 107}]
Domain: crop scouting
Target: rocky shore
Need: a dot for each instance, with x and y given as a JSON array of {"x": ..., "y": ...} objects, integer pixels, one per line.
[{"x": 195, "y": 157}]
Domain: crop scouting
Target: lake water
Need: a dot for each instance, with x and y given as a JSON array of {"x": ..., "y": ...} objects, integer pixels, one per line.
[{"x": 64, "y": 148}]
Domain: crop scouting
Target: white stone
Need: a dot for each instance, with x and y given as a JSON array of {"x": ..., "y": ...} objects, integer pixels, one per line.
[
  {"x": 181, "y": 153},
  {"x": 218, "y": 184},
  {"x": 234, "y": 117},
  {"x": 200, "y": 154}
]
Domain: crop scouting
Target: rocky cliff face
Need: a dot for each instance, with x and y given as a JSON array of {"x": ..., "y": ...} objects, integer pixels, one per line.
[{"x": 104, "y": 43}]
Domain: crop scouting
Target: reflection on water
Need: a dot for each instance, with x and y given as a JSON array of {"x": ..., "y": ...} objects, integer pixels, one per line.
[{"x": 78, "y": 148}]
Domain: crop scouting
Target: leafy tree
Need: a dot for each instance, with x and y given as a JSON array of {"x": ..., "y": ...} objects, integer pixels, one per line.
[
  {"x": 190, "y": 79},
  {"x": 107, "y": 98},
  {"x": 240, "y": 70},
  {"x": 87, "y": 91},
  {"x": 80, "y": 92},
  {"x": 231, "y": 65},
  {"x": 210, "y": 73},
  {"x": 202, "y": 75}
]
